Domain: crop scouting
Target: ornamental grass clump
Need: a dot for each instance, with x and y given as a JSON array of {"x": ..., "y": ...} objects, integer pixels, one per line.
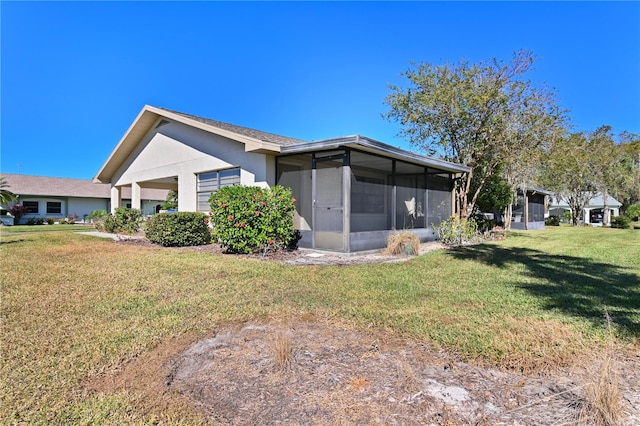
[{"x": 250, "y": 219}]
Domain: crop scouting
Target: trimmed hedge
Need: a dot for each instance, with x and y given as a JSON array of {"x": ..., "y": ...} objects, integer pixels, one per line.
[
  {"x": 180, "y": 229},
  {"x": 125, "y": 221},
  {"x": 552, "y": 220},
  {"x": 622, "y": 222}
]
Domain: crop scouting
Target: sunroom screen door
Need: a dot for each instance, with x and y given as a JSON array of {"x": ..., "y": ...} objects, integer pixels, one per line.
[{"x": 328, "y": 205}]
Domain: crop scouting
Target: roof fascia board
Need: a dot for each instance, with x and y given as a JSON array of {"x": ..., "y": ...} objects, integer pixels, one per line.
[
  {"x": 251, "y": 144},
  {"x": 108, "y": 169},
  {"x": 375, "y": 146}
]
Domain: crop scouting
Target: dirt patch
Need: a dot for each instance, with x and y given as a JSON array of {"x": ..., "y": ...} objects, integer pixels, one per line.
[{"x": 336, "y": 375}]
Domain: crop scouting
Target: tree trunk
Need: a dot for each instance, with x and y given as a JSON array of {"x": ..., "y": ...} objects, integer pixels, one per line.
[
  {"x": 508, "y": 212},
  {"x": 606, "y": 214}
]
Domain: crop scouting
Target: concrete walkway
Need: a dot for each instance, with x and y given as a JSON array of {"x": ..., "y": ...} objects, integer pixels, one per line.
[{"x": 116, "y": 237}]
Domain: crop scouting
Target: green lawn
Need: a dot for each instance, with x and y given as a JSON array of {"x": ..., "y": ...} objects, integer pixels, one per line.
[{"x": 73, "y": 306}]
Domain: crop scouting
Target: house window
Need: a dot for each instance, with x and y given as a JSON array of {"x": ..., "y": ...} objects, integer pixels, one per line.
[
  {"x": 54, "y": 207},
  {"x": 31, "y": 206},
  {"x": 210, "y": 182}
]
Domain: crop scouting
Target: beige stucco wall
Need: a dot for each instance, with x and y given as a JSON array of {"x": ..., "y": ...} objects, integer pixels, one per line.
[{"x": 175, "y": 150}]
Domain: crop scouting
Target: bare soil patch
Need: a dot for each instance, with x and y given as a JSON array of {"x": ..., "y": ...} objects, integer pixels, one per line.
[{"x": 337, "y": 375}]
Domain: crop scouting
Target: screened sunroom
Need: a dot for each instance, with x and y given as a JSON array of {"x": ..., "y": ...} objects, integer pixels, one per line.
[{"x": 353, "y": 192}]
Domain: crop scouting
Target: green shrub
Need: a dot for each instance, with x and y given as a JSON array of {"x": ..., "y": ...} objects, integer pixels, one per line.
[
  {"x": 31, "y": 221},
  {"x": 50, "y": 221},
  {"x": 62, "y": 221},
  {"x": 633, "y": 211},
  {"x": 98, "y": 217},
  {"x": 622, "y": 222},
  {"x": 456, "y": 231},
  {"x": 179, "y": 229},
  {"x": 482, "y": 223},
  {"x": 552, "y": 220},
  {"x": 124, "y": 221},
  {"x": 249, "y": 218}
]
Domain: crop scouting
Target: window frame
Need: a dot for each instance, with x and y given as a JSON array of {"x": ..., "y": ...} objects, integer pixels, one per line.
[
  {"x": 31, "y": 209},
  {"x": 51, "y": 204},
  {"x": 217, "y": 179}
]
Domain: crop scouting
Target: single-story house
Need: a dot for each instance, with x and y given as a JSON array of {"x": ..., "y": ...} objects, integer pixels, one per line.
[
  {"x": 592, "y": 214},
  {"x": 71, "y": 198},
  {"x": 530, "y": 209},
  {"x": 352, "y": 191}
]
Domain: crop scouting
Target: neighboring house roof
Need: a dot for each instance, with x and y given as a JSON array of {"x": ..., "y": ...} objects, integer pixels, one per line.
[
  {"x": 537, "y": 191},
  {"x": 595, "y": 202},
  {"x": 42, "y": 186}
]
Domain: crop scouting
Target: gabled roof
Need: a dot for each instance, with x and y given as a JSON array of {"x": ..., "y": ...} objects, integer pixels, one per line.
[
  {"x": 254, "y": 140},
  {"x": 596, "y": 202},
  {"x": 43, "y": 186},
  {"x": 252, "y": 133}
]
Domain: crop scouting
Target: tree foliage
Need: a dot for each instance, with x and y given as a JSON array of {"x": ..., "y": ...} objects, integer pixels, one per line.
[
  {"x": 6, "y": 196},
  {"x": 171, "y": 202},
  {"x": 580, "y": 165},
  {"x": 480, "y": 115}
]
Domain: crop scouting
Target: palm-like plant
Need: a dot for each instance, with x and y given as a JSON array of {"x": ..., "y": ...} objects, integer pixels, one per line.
[{"x": 5, "y": 195}]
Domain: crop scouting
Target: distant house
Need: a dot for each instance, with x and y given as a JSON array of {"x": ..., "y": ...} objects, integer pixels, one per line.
[
  {"x": 530, "y": 209},
  {"x": 351, "y": 192},
  {"x": 70, "y": 198},
  {"x": 592, "y": 214}
]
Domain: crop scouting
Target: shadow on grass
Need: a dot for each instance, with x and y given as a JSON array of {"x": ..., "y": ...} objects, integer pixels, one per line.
[{"x": 573, "y": 285}]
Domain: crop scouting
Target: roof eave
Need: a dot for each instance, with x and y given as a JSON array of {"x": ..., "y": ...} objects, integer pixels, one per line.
[{"x": 372, "y": 145}]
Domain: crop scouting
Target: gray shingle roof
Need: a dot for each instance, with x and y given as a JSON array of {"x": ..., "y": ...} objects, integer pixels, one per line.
[
  {"x": 246, "y": 131},
  {"x": 67, "y": 187}
]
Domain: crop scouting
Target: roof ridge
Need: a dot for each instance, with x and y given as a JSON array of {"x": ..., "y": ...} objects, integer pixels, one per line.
[{"x": 246, "y": 131}]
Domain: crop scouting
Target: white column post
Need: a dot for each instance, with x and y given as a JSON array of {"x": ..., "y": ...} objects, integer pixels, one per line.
[
  {"x": 116, "y": 199},
  {"x": 135, "y": 196}
]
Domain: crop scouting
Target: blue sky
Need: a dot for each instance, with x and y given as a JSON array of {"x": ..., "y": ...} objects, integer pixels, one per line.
[{"x": 74, "y": 75}]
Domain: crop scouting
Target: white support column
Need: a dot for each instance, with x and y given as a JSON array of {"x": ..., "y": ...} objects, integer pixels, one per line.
[
  {"x": 587, "y": 216},
  {"x": 135, "y": 196},
  {"x": 116, "y": 198}
]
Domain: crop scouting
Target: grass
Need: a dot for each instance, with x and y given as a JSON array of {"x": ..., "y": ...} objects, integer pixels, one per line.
[{"x": 75, "y": 306}]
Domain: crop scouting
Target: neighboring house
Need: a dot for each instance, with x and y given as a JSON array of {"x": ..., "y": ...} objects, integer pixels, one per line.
[
  {"x": 351, "y": 192},
  {"x": 71, "y": 198},
  {"x": 530, "y": 209},
  {"x": 592, "y": 214}
]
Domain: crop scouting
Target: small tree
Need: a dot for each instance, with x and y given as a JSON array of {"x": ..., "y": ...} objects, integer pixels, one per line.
[
  {"x": 480, "y": 115},
  {"x": 17, "y": 212},
  {"x": 6, "y": 196},
  {"x": 171, "y": 202},
  {"x": 248, "y": 219}
]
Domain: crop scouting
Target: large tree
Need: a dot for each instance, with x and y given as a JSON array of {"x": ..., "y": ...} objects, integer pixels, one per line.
[
  {"x": 570, "y": 171},
  {"x": 480, "y": 115}
]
